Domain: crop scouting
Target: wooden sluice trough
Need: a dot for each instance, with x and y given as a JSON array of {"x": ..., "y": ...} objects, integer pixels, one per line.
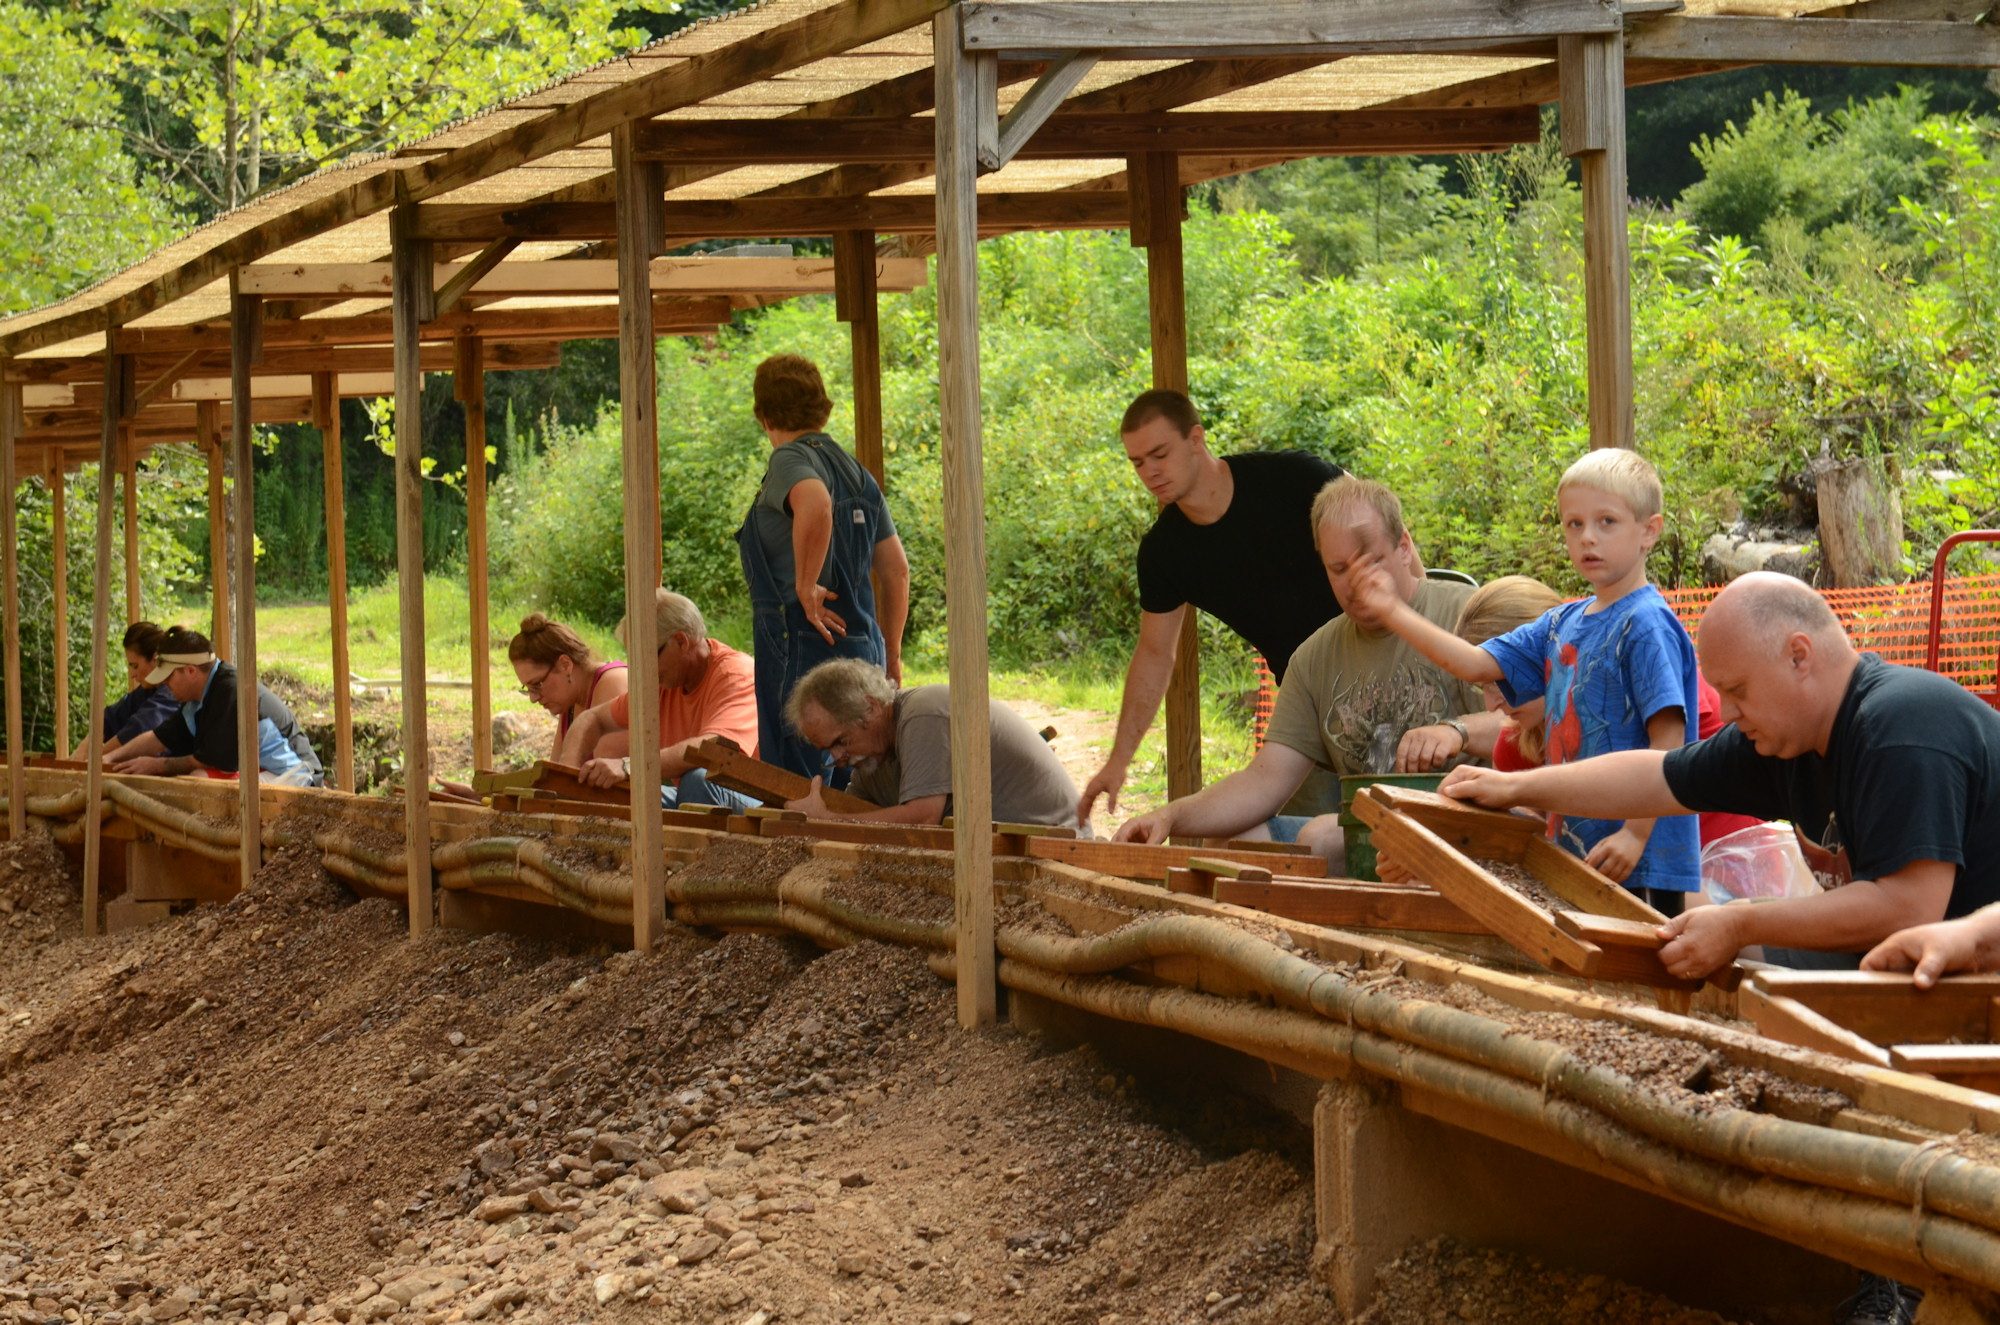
[{"x": 1558, "y": 1111}]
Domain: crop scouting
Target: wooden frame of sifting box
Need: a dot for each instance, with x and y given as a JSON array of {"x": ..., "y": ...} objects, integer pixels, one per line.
[
  {"x": 1950, "y": 1031},
  {"x": 1609, "y": 934}
]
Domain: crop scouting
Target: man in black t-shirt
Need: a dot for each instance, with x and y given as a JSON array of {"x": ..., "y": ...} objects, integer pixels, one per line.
[
  {"x": 1234, "y": 538},
  {"x": 1891, "y": 775}
]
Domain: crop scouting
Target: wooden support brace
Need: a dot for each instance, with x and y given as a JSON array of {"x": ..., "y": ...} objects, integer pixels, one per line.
[
  {"x": 245, "y": 341},
  {"x": 59, "y": 595},
  {"x": 117, "y": 369},
  {"x": 468, "y": 275},
  {"x": 1591, "y": 72},
  {"x": 855, "y": 304},
  {"x": 410, "y": 300},
  {"x": 1039, "y": 102},
  {"x": 638, "y": 186},
  {"x": 10, "y": 589},
  {"x": 967, "y": 92},
  {"x": 469, "y": 384},
  {"x": 326, "y": 415},
  {"x": 208, "y": 423}
]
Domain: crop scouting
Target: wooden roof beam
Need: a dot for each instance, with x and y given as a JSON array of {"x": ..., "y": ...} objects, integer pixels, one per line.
[
  {"x": 587, "y": 276},
  {"x": 1860, "y": 41},
  {"x": 762, "y": 217},
  {"x": 775, "y": 50},
  {"x": 673, "y": 317},
  {"x": 1074, "y": 136},
  {"x": 64, "y": 374},
  {"x": 1206, "y": 29}
]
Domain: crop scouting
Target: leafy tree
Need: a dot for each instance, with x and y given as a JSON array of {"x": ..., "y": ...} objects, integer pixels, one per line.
[
  {"x": 229, "y": 98},
  {"x": 73, "y": 206}
]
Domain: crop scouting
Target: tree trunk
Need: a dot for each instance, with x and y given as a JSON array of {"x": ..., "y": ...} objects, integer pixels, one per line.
[{"x": 1860, "y": 524}]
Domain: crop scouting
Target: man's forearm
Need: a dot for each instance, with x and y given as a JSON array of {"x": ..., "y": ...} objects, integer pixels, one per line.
[
  {"x": 1244, "y": 799},
  {"x": 1628, "y": 784},
  {"x": 892, "y": 609},
  {"x": 1850, "y": 918},
  {"x": 1145, "y": 686},
  {"x": 674, "y": 759}
]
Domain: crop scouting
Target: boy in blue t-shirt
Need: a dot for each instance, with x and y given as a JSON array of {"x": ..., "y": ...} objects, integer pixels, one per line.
[{"x": 1617, "y": 669}]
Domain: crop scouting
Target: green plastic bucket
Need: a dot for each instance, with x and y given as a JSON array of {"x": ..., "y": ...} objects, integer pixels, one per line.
[{"x": 1360, "y": 841}]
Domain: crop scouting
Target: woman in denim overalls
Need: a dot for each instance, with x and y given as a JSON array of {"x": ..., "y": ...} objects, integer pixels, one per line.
[{"x": 815, "y": 533}]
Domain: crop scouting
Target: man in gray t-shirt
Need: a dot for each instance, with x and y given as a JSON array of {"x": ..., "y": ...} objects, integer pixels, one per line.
[{"x": 899, "y": 743}]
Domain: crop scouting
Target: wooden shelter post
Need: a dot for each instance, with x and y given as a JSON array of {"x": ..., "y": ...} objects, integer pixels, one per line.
[
  {"x": 965, "y": 93},
  {"x": 1591, "y": 71},
  {"x": 641, "y": 233},
  {"x": 410, "y": 299},
  {"x": 246, "y": 316},
  {"x": 326, "y": 416},
  {"x": 129, "y": 477},
  {"x": 208, "y": 423},
  {"x": 1156, "y": 226},
  {"x": 59, "y": 595},
  {"x": 117, "y": 391},
  {"x": 469, "y": 384},
  {"x": 10, "y": 586},
  {"x": 855, "y": 304}
]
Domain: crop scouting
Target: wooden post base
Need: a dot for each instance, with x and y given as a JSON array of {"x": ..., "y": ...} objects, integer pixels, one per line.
[
  {"x": 1388, "y": 1176},
  {"x": 122, "y": 914}
]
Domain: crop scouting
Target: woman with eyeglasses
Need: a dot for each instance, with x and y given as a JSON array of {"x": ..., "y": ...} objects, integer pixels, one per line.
[{"x": 559, "y": 672}]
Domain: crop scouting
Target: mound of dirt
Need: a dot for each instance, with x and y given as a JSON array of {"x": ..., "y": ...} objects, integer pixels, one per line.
[{"x": 284, "y": 1109}]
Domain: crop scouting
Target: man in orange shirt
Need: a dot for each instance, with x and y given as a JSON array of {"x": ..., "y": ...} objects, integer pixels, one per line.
[{"x": 706, "y": 689}]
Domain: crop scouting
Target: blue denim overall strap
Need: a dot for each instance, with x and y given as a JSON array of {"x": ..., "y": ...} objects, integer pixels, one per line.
[{"x": 785, "y": 644}]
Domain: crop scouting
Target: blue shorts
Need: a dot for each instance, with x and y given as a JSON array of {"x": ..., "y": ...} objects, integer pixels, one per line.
[{"x": 1285, "y": 827}]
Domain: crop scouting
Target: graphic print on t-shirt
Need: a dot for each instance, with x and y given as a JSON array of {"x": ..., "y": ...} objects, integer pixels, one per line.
[
  {"x": 1827, "y": 858},
  {"x": 1409, "y": 696}
]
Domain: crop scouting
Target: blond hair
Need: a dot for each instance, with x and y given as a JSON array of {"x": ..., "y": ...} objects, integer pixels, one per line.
[
  {"x": 1494, "y": 609},
  {"x": 1623, "y": 474},
  {"x": 1503, "y": 605},
  {"x": 1342, "y": 496}
]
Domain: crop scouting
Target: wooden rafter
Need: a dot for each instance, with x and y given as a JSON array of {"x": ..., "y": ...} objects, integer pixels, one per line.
[
  {"x": 587, "y": 276},
  {"x": 762, "y": 217},
  {"x": 1193, "y": 29},
  {"x": 1929, "y": 45},
  {"x": 1073, "y": 135}
]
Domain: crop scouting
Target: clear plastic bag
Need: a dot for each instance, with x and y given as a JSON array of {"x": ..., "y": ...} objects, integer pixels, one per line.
[{"x": 1763, "y": 860}]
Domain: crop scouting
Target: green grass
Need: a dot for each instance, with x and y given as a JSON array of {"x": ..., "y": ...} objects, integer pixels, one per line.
[{"x": 294, "y": 641}]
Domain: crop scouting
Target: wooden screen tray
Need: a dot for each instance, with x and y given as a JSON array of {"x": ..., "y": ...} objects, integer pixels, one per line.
[
  {"x": 1950, "y": 1031},
  {"x": 727, "y": 766},
  {"x": 1603, "y": 932},
  {"x": 543, "y": 778},
  {"x": 1335, "y": 903}
]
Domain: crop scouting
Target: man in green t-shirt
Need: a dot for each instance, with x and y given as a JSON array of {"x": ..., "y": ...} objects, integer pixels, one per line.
[{"x": 1354, "y": 691}]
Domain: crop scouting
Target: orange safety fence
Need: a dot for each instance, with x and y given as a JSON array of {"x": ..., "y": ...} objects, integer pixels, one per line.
[
  {"x": 1891, "y": 620},
  {"x": 1894, "y": 621}
]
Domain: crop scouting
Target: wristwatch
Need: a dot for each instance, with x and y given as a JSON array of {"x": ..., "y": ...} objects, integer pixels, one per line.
[{"x": 1457, "y": 725}]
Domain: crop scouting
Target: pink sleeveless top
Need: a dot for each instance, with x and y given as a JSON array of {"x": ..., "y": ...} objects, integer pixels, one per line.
[{"x": 562, "y": 723}]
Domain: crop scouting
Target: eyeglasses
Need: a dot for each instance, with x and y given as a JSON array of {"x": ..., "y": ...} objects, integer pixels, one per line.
[{"x": 533, "y": 690}]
